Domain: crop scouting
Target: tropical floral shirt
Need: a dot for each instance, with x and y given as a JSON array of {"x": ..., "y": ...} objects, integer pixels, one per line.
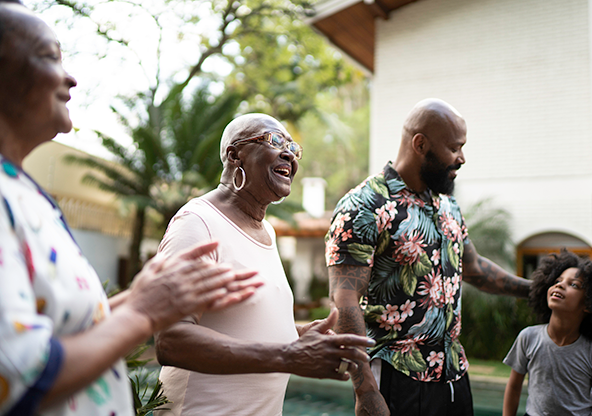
[{"x": 415, "y": 248}]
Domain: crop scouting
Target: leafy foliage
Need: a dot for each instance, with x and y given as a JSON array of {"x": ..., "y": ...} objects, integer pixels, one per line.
[
  {"x": 489, "y": 229},
  {"x": 490, "y": 322},
  {"x": 145, "y": 405},
  {"x": 147, "y": 390},
  {"x": 133, "y": 358},
  {"x": 335, "y": 138},
  {"x": 285, "y": 64},
  {"x": 280, "y": 65},
  {"x": 163, "y": 170}
]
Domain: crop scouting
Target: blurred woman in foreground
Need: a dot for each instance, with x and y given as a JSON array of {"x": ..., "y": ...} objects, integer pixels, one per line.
[{"x": 60, "y": 345}]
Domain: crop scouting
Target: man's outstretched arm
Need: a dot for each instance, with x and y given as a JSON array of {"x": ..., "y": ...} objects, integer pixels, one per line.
[
  {"x": 487, "y": 276},
  {"x": 347, "y": 284}
]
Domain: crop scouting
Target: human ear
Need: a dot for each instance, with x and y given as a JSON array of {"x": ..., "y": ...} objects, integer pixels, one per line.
[
  {"x": 420, "y": 144},
  {"x": 232, "y": 155}
]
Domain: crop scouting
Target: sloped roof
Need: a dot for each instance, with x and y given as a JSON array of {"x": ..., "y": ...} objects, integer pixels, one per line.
[
  {"x": 306, "y": 225},
  {"x": 349, "y": 25}
]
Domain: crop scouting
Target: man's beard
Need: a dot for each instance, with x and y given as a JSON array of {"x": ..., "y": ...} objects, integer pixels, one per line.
[{"x": 436, "y": 174}]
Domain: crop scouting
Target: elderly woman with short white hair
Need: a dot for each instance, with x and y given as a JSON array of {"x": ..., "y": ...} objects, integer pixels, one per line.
[{"x": 237, "y": 361}]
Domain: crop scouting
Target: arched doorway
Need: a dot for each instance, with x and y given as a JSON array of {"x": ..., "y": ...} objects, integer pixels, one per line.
[{"x": 531, "y": 250}]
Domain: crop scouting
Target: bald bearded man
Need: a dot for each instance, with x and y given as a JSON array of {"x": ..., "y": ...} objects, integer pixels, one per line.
[{"x": 398, "y": 241}]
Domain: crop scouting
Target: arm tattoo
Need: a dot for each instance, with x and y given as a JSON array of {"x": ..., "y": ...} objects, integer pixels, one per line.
[
  {"x": 346, "y": 285},
  {"x": 354, "y": 278},
  {"x": 351, "y": 321},
  {"x": 489, "y": 277},
  {"x": 357, "y": 377}
]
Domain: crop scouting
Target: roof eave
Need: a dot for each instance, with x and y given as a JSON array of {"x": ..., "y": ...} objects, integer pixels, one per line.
[{"x": 328, "y": 8}]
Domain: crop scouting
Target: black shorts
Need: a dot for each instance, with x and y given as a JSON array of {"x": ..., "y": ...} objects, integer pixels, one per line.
[{"x": 409, "y": 397}]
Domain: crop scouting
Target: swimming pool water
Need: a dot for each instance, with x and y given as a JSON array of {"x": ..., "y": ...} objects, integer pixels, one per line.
[{"x": 311, "y": 397}]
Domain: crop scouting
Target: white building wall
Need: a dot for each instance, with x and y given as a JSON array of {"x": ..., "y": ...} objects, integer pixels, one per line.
[
  {"x": 519, "y": 72},
  {"x": 103, "y": 253}
]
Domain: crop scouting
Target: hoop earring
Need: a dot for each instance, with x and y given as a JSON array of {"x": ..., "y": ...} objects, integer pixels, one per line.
[
  {"x": 238, "y": 188},
  {"x": 278, "y": 202}
]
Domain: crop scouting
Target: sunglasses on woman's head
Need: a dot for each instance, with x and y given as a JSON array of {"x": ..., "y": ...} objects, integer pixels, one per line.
[{"x": 277, "y": 141}]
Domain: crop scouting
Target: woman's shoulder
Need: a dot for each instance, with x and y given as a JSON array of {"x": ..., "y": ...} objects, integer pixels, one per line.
[
  {"x": 191, "y": 216},
  {"x": 196, "y": 208},
  {"x": 21, "y": 196},
  {"x": 12, "y": 177}
]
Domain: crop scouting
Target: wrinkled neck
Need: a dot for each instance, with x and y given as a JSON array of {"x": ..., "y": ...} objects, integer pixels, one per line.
[{"x": 243, "y": 203}]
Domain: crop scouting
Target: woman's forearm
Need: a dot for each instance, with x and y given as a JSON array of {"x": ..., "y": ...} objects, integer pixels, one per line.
[{"x": 90, "y": 353}]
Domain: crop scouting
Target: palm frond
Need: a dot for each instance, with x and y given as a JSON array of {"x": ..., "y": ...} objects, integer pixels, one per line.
[{"x": 490, "y": 231}]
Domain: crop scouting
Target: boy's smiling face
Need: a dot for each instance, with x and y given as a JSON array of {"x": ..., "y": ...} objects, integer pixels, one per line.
[{"x": 567, "y": 295}]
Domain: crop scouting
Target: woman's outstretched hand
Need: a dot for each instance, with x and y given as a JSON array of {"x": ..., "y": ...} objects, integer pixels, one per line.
[{"x": 168, "y": 289}]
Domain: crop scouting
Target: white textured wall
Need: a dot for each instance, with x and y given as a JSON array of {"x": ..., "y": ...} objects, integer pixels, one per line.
[
  {"x": 519, "y": 71},
  {"x": 103, "y": 253}
]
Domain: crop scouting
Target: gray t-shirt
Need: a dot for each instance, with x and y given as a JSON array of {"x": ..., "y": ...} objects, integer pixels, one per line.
[{"x": 559, "y": 378}]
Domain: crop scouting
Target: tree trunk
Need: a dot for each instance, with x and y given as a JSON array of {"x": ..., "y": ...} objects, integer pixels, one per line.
[{"x": 134, "y": 264}]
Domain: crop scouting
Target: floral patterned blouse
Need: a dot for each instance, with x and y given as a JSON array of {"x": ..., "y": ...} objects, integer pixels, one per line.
[
  {"x": 47, "y": 290},
  {"x": 415, "y": 248}
]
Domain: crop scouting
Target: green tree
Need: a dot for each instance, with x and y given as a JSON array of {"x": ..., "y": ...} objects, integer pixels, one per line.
[
  {"x": 162, "y": 171},
  {"x": 490, "y": 232},
  {"x": 283, "y": 67},
  {"x": 491, "y": 322},
  {"x": 261, "y": 27},
  {"x": 335, "y": 138}
]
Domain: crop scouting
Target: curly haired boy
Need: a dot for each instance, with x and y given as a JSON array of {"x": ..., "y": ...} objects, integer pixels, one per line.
[{"x": 557, "y": 355}]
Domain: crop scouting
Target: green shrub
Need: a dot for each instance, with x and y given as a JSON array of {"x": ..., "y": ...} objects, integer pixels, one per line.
[
  {"x": 147, "y": 390},
  {"x": 490, "y": 323},
  {"x": 319, "y": 288},
  {"x": 318, "y": 313}
]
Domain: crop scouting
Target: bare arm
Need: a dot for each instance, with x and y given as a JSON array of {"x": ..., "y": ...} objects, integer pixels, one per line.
[
  {"x": 193, "y": 347},
  {"x": 512, "y": 393},
  {"x": 88, "y": 354},
  {"x": 489, "y": 277},
  {"x": 314, "y": 354},
  {"x": 118, "y": 299},
  {"x": 163, "y": 292},
  {"x": 346, "y": 285}
]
